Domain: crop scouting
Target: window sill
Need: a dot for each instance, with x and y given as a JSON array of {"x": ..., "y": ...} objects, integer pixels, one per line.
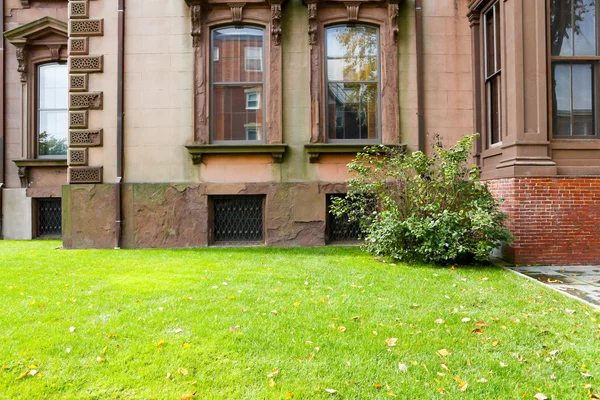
[
  {"x": 24, "y": 164},
  {"x": 315, "y": 150},
  {"x": 198, "y": 150}
]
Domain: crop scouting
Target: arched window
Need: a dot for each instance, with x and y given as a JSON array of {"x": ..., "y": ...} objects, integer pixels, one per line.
[
  {"x": 52, "y": 110},
  {"x": 352, "y": 83},
  {"x": 237, "y": 82}
]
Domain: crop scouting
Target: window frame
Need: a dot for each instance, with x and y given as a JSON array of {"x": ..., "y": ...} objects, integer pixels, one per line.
[
  {"x": 326, "y": 82},
  {"x": 261, "y": 58},
  {"x": 37, "y": 110},
  {"x": 212, "y": 84},
  {"x": 570, "y": 61},
  {"x": 488, "y": 80}
]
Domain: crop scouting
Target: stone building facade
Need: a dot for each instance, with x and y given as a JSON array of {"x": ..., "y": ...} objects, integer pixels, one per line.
[{"x": 175, "y": 123}]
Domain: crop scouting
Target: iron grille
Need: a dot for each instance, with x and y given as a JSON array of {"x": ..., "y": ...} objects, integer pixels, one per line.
[
  {"x": 238, "y": 219},
  {"x": 340, "y": 229},
  {"x": 49, "y": 217}
]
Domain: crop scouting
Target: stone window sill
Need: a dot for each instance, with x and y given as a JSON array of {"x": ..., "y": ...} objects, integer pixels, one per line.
[
  {"x": 315, "y": 150},
  {"x": 198, "y": 150},
  {"x": 23, "y": 166}
]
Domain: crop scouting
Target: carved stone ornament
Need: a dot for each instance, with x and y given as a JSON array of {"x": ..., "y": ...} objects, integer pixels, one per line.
[
  {"x": 22, "y": 171},
  {"x": 352, "y": 9},
  {"x": 393, "y": 13},
  {"x": 25, "y": 3},
  {"x": 54, "y": 51},
  {"x": 276, "y": 23},
  {"x": 196, "y": 11},
  {"x": 236, "y": 11},
  {"x": 22, "y": 68},
  {"x": 312, "y": 24}
]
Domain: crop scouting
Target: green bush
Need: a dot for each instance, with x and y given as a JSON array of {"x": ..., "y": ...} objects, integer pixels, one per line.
[{"x": 420, "y": 207}]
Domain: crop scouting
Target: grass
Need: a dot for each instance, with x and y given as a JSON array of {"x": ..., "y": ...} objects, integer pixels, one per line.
[{"x": 160, "y": 324}]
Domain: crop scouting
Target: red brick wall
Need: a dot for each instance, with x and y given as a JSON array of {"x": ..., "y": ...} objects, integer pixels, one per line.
[{"x": 554, "y": 220}]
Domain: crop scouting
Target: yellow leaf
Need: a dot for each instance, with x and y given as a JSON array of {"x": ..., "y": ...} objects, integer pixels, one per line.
[
  {"x": 159, "y": 344},
  {"x": 444, "y": 353},
  {"x": 274, "y": 372},
  {"x": 186, "y": 345},
  {"x": 183, "y": 371},
  {"x": 188, "y": 396},
  {"x": 341, "y": 329},
  {"x": 377, "y": 386},
  {"x": 23, "y": 375},
  {"x": 495, "y": 343},
  {"x": 463, "y": 386},
  {"x": 104, "y": 349},
  {"x": 477, "y": 331},
  {"x": 4, "y": 367},
  {"x": 32, "y": 366},
  {"x": 391, "y": 341},
  {"x": 274, "y": 312},
  {"x": 296, "y": 304},
  {"x": 481, "y": 323},
  {"x": 100, "y": 359},
  {"x": 289, "y": 395},
  {"x": 439, "y": 321},
  {"x": 271, "y": 383},
  {"x": 391, "y": 394}
]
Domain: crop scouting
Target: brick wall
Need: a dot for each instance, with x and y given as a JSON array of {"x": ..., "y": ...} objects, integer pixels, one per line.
[{"x": 554, "y": 220}]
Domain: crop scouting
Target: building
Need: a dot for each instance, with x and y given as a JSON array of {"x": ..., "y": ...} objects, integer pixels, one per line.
[{"x": 174, "y": 123}]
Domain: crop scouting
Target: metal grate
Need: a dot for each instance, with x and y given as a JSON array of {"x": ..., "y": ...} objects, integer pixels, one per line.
[
  {"x": 340, "y": 229},
  {"x": 49, "y": 217},
  {"x": 238, "y": 219}
]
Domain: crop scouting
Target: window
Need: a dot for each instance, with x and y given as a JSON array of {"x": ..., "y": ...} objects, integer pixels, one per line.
[
  {"x": 252, "y": 132},
  {"x": 49, "y": 217},
  {"x": 52, "y": 110},
  {"x": 574, "y": 61},
  {"x": 352, "y": 82},
  {"x": 253, "y": 59},
  {"x": 340, "y": 229},
  {"x": 237, "y": 219},
  {"x": 237, "y": 81},
  {"x": 492, "y": 73},
  {"x": 215, "y": 54}
]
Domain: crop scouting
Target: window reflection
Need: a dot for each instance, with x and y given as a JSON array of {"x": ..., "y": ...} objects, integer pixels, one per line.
[
  {"x": 52, "y": 112},
  {"x": 352, "y": 82},
  {"x": 237, "y": 84}
]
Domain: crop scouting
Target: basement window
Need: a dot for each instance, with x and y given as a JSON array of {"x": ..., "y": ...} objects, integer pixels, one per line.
[
  {"x": 49, "y": 218},
  {"x": 238, "y": 219},
  {"x": 340, "y": 229}
]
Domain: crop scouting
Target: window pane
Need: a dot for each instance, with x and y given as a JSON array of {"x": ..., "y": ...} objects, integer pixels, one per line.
[
  {"x": 353, "y": 111},
  {"x": 232, "y": 114},
  {"x": 561, "y": 27},
  {"x": 583, "y": 100},
  {"x": 240, "y": 54},
  {"x": 585, "y": 27},
  {"x": 493, "y": 109},
  {"x": 490, "y": 47},
  {"x": 352, "y": 53},
  {"x": 52, "y": 133},
  {"x": 561, "y": 99},
  {"x": 53, "y": 90}
]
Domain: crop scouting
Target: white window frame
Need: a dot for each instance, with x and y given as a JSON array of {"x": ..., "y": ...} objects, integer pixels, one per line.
[
  {"x": 257, "y": 100},
  {"x": 253, "y": 58}
]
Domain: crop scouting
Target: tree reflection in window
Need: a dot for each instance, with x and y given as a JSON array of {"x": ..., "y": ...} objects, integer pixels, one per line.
[
  {"x": 52, "y": 111},
  {"x": 352, "y": 75}
]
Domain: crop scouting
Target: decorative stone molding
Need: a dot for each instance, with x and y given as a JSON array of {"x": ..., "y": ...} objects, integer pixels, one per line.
[
  {"x": 78, "y": 46},
  {"x": 86, "y": 63},
  {"x": 85, "y": 174},
  {"x": 24, "y": 165},
  {"x": 393, "y": 10},
  {"x": 78, "y": 119},
  {"x": 237, "y": 10},
  {"x": 275, "y": 150},
  {"x": 22, "y": 68},
  {"x": 78, "y": 156},
  {"x": 90, "y": 100},
  {"x": 315, "y": 150},
  {"x": 312, "y": 24},
  {"x": 54, "y": 51},
  {"x": 276, "y": 23},
  {"x": 196, "y": 11},
  {"x": 78, "y": 9},
  {"x": 78, "y": 82},
  {"x": 352, "y": 10},
  {"x": 85, "y": 137},
  {"x": 86, "y": 27}
]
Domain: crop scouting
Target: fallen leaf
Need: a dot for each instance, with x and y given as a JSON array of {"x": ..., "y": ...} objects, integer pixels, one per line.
[
  {"x": 274, "y": 372},
  {"x": 188, "y": 396},
  {"x": 375, "y": 333},
  {"x": 296, "y": 304},
  {"x": 569, "y": 311},
  {"x": 161, "y": 343},
  {"x": 271, "y": 383},
  {"x": 186, "y": 345},
  {"x": 541, "y": 396},
  {"x": 289, "y": 395},
  {"x": 466, "y": 319},
  {"x": 104, "y": 349},
  {"x": 33, "y": 372},
  {"x": 554, "y": 352},
  {"x": 477, "y": 331},
  {"x": 445, "y": 367},
  {"x": 377, "y": 386},
  {"x": 463, "y": 386},
  {"x": 274, "y": 312},
  {"x": 439, "y": 321},
  {"x": 444, "y": 353},
  {"x": 100, "y": 359},
  {"x": 402, "y": 367},
  {"x": 481, "y": 323},
  {"x": 72, "y": 329},
  {"x": 183, "y": 371},
  {"x": 332, "y": 391},
  {"x": 586, "y": 375},
  {"x": 495, "y": 343},
  {"x": 391, "y": 341},
  {"x": 178, "y": 330},
  {"x": 482, "y": 380},
  {"x": 503, "y": 364},
  {"x": 341, "y": 329}
]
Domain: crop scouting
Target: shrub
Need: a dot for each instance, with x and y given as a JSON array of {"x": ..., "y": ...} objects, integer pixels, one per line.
[{"x": 420, "y": 207}]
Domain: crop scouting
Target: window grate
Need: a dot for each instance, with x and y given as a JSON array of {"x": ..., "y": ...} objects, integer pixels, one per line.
[
  {"x": 238, "y": 219},
  {"x": 49, "y": 217},
  {"x": 340, "y": 229}
]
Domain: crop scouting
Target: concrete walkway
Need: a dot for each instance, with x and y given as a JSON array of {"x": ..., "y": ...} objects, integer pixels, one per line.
[{"x": 579, "y": 281}]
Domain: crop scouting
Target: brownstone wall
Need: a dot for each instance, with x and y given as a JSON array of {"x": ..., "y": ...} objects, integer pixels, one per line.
[{"x": 555, "y": 220}]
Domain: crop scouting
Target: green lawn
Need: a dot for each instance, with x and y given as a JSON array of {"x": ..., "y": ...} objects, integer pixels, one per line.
[{"x": 272, "y": 323}]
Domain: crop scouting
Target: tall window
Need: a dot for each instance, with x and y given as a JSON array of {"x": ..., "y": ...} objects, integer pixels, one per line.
[
  {"x": 52, "y": 121},
  {"x": 491, "y": 43},
  {"x": 237, "y": 80},
  {"x": 352, "y": 82},
  {"x": 574, "y": 58}
]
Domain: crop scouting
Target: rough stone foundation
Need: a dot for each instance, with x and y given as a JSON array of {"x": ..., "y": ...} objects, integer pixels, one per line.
[
  {"x": 177, "y": 215},
  {"x": 554, "y": 220}
]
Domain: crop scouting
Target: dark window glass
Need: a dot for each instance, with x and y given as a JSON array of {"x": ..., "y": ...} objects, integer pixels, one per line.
[
  {"x": 493, "y": 74},
  {"x": 352, "y": 75},
  {"x": 574, "y": 34},
  {"x": 237, "y": 84},
  {"x": 52, "y": 110},
  {"x": 238, "y": 219},
  {"x": 49, "y": 217}
]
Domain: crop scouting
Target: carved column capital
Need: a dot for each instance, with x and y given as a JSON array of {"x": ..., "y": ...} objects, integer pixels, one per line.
[
  {"x": 393, "y": 13},
  {"x": 312, "y": 23},
  {"x": 54, "y": 51},
  {"x": 276, "y": 23},
  {"x": 21, "y": 59},
  {"x": 196, "y": 12},
  {"x": 22, "y": 172},
  {"x": 236, "y": 11}
]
